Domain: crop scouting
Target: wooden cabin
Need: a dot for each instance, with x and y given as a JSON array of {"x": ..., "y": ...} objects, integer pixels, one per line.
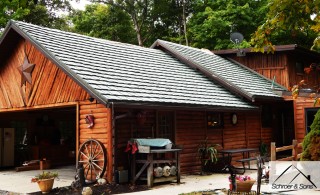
[
  {"x": 286, "y": 67},
  {"x": 72, "y": 98}
]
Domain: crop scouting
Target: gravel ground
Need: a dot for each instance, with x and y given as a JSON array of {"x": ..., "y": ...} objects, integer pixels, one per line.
[{"x": 96, "y": 189}]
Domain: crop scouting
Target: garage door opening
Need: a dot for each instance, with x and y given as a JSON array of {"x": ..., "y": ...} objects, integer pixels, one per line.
[{"x": 39, "y": 134}]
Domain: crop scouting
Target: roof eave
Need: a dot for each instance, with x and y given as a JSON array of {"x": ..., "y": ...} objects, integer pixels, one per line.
[
  {"x": 250, "y": 49},
  {"x": 92, "y": 92},
  {"x": 278, "y": 48},
  {"x": 211, "y": 75},
  {"x": 259, "y": 98},
  {"x": 180, "y": 106}
]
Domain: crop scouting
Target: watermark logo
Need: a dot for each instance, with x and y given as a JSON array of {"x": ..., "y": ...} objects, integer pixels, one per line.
[{"x": 294, "y": 175}]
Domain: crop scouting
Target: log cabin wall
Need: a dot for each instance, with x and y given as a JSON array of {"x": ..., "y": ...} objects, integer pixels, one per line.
[
  {"x": 300, "y": 104},
  {"x": 247, "y": 133},
  {"x": 52, "y": 88},
  {"x": 311, "y": 79},
  {"x": 268, "y": 65},
  {"x": 286, "y": 67},
  {"x": 101, "y": 131},
  {"x": 190, "y": 129},
  {"x": 127, "y": 127}
]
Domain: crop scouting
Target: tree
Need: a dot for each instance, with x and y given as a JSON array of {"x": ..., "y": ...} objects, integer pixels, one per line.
[
  {"x": 40, "y": 12},
  {"x": 138, "y": 11},
  {"x": 291, "y": 22},
  {"x": 104, "y": 21},
  {"x": 169, "y": 19},
  {"x": 311, "y": 142},
  {"x": 213, "y": 21},
  {"x": 11, "y": 10},
  {"x": 154, "y": 19}
]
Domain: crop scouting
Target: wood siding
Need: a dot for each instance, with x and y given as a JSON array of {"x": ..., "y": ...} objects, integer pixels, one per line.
[
  {"x": 281, "y": 66},
  {"x": 268, "y": 65},
  {"x": 300, "y": 104},
  {"x": 190, "y": 129},
  {"x": 101, "y": 131},
  {"x": 52, "y": 88},
  {"x": 50, "y": 85},
  {"x": 126, "y": 127}
]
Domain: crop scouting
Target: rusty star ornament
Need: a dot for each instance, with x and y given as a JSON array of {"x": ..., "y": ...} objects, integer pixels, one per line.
[{"x": 25, "y": 70}]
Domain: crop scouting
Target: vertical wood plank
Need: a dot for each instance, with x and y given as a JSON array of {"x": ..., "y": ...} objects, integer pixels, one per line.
[{"x": 273, "y": 151}]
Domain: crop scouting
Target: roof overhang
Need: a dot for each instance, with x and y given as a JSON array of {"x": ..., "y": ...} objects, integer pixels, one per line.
[
  {"x": 278, "y": 48},
  {"x": 176, "y": 106}
]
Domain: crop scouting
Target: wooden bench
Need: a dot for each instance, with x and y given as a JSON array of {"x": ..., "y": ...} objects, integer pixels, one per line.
[{"x": 248, "y": 160}]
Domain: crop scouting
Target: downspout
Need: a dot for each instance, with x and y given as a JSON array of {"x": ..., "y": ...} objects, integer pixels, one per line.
[{"x": 113, "y": 141}]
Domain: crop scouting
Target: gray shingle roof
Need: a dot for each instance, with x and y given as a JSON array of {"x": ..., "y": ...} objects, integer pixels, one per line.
[
  {"x": 238, "y": 76},
  {"x": 120, "y": 72}
]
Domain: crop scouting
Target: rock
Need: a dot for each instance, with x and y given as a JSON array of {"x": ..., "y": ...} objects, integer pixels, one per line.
[
  {"x": 86, "y": 191},
  {"x": 101, "y": 181}
]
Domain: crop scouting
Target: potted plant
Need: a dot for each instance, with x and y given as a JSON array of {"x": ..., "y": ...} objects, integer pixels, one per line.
[
  {"x": 207, "y": 153},
  {"x": 242, "y": 183},
  {"x": 45, "y": 180}
]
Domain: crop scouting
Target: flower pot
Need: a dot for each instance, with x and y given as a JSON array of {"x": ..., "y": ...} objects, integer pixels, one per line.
[
  {"x": 244, "y": 186},
  {"x": 45, "y": 185}
]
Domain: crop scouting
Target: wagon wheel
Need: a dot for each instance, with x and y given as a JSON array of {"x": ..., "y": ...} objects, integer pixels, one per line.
[{"x": 93, "y": 156}]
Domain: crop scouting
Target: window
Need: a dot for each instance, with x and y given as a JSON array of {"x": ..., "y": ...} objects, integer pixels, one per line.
[
  {"x": 299, "y": 68},
  {"x": 214, "y": 120},
  {"x": 165, "y": 125},
  {"x": 309, "y": 116}
]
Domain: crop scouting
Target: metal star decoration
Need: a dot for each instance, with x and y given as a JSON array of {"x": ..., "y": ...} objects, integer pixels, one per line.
[{"x": 25, "y": 70}]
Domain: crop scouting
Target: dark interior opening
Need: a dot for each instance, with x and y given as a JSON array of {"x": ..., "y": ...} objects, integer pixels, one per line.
[{"x": 39, "y": 134}]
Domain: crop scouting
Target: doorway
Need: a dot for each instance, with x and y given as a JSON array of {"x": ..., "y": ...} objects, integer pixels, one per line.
[{"x": 48, "y": 134}]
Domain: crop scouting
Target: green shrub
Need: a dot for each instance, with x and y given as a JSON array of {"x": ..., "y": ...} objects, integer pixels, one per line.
[{"x": 311, "y": 142}]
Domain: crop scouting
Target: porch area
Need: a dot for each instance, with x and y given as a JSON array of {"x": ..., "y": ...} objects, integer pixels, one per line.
[{"x": 19, "y": 182}]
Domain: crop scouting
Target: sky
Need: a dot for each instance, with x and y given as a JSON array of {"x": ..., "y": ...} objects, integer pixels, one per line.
[{"x": 79, "y": 5}]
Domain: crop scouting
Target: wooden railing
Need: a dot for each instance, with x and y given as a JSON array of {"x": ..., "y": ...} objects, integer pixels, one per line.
[{"x": 295, "y": 147}]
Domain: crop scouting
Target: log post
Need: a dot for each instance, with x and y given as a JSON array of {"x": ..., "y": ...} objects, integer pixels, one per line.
[
  {"x": 294, "y": 149},
  {"x": 273, "y": 151}
]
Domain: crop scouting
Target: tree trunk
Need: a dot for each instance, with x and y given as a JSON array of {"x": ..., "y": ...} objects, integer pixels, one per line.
[
  {"x": 184, "y": 21},
  {"x": 138, "y": 31}
]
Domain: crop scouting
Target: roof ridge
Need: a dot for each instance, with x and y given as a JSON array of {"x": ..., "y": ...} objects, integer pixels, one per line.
[
  {"x": 208, "y": 68},
  {"x": 208, "y": 73}
]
